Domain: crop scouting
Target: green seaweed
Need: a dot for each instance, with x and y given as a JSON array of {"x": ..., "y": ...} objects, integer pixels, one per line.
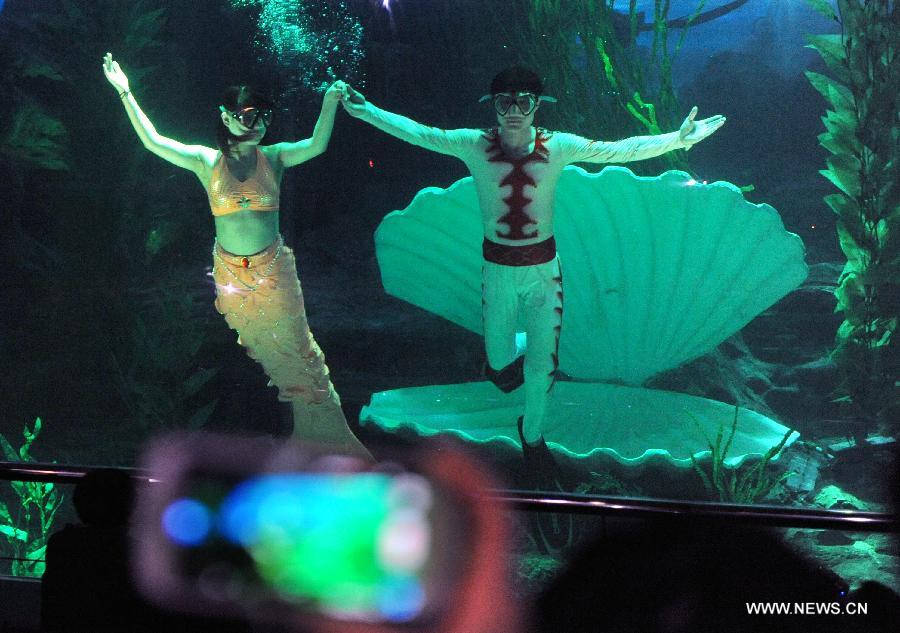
[
  {"x": 27, "y": 533},
  {"x": 606, "y": 88},
  {"x": 36, "y": 137},
  {"x": 603, "y": 482},
  {"x": 136, "y": 234},
  {"x": 538, "y": 568},
  {"x": 863, "y": 137},
  {"x": 157, "y": 375},
  {"x": 744, "y": 484}
]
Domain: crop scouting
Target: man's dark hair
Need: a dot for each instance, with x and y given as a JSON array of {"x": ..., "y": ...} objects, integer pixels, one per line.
[{"x": 517, "y": 79}]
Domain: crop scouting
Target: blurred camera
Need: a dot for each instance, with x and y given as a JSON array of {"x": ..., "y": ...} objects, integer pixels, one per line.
[{"x": 293, "y": 533}]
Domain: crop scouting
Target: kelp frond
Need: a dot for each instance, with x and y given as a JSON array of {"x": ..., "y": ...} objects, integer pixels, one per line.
[
  {"x": 740, "y": 484},
  {"x": 36, "y": 138}
]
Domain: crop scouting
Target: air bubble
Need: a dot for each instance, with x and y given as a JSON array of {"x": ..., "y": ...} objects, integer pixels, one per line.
[{"x": 312, "y": 42}]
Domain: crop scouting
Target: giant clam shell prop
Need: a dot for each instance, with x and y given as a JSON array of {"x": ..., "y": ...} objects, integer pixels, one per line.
[
  {"x": 597, "y": 421},
  {"x": 657, "y": 271}
]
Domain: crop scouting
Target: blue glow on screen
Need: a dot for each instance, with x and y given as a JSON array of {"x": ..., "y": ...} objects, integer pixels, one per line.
[
  {"x": 401, "y": 599},
  {"x": 187, "y": 522}
]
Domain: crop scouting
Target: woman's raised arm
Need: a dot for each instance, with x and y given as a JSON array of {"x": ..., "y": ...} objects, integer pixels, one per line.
[
  {"x": 298, "y": 152},
  {"x": 196, "y": 158}
]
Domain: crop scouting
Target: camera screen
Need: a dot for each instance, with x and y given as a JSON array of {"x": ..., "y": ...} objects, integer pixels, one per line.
[{"x": 351, "y": 545}]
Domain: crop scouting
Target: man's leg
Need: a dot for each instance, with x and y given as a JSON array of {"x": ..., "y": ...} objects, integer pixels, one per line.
[
  {"x": 543, "y": 303},
  {"x": 499, "y": 311},
  {"x": 543, "y": 318}
]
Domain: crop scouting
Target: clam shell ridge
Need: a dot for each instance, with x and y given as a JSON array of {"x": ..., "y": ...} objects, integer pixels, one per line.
[{"x": 657, "y": 271}]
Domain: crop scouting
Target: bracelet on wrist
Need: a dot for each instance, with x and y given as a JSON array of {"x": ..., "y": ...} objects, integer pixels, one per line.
[{"x": 122, "y": 94}]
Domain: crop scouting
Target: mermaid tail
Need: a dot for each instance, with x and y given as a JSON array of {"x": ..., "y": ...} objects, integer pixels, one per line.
[{"x": 263, "y": 303}]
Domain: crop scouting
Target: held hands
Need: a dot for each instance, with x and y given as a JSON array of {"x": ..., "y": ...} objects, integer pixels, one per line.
[
  {"x": 692, "y": 132},
  {"x": 114, "y": 74},
  {"x": 335, "y": 92},
  {"x": 354, "y": 102}
]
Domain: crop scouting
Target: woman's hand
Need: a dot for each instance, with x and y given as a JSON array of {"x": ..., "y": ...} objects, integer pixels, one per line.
[
  {"x": 114, "y": 74},
  {"x": 335, "y": 92},
  {"x": 354, "y": 102},
  {"x": 692, "y": 132}
]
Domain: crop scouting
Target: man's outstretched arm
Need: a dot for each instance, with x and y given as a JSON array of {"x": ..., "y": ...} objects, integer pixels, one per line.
[
  {"x": 641, "y": 147},
  {"x": 450, "y": 142}
]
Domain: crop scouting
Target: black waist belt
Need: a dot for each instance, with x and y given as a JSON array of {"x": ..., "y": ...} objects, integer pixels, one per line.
[{"x": 529, "y": 255}]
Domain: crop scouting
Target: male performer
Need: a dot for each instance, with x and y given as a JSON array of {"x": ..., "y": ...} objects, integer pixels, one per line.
[{"x": 516, "y": 167}]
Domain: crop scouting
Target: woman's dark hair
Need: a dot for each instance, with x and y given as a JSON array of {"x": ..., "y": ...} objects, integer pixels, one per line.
[
  {"x": 234, "y": 99},
  {"x": 517, "y": 79}
]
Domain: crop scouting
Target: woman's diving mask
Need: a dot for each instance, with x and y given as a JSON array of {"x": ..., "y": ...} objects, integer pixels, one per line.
[{"x": 249, "y": 117}]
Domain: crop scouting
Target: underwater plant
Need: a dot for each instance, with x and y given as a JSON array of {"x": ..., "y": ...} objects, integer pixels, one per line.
[
  {"x": 35, "y": 137},
  {"x": 863, "y": 136},
  {"x": 30, "y": 136},
  {"x": 26, "y": 535},
  {"x": 157, "y": 373},
  {"x": 741, "y": 484},
  {"x": 604, "y": 482},
  {"x": 597, "y": 64},
  {"x": 128, "y": 217},
  {"x": 537, "y": 569}
]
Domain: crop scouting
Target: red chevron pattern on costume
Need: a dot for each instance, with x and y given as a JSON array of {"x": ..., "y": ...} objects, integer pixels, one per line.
[
  {"x": 516, "y": 218},
  {"x": 558, "y": 311}
]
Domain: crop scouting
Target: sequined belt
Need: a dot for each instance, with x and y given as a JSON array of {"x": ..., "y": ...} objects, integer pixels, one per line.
[
  {"x": 268, "y": 255},
  {"x": 529, "y": 255},
  {"x": 258, "y": 265}
]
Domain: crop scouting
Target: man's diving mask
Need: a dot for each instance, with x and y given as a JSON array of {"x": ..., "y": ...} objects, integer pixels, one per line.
[
  {"x": 526, "y": 102},
  {"x": 249, "y": 117}
]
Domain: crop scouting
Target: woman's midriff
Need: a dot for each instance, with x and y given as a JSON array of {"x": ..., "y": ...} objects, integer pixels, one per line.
[{"x": 246, "y": 232}]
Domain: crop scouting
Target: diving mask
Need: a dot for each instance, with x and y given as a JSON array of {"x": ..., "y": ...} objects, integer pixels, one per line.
[
  {"x": 249, "y": 117},
  {"x": 526, "y": 102}
]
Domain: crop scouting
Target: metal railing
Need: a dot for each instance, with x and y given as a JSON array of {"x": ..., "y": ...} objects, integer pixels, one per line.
[
  {"x": 700, "y": 511},
  {"x": 537, "y": 501}
]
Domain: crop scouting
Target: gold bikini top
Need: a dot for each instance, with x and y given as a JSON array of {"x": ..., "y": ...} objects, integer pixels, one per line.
[{"x": 259, "y": 192}]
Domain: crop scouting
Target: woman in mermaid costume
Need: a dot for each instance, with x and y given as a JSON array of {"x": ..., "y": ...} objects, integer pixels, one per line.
[
  {"x": 516, "y": 168},
  {"x": 258, "y": 291}
]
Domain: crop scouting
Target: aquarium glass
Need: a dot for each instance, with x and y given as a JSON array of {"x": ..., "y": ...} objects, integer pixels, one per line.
[{"x": 631, "y": 298}]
